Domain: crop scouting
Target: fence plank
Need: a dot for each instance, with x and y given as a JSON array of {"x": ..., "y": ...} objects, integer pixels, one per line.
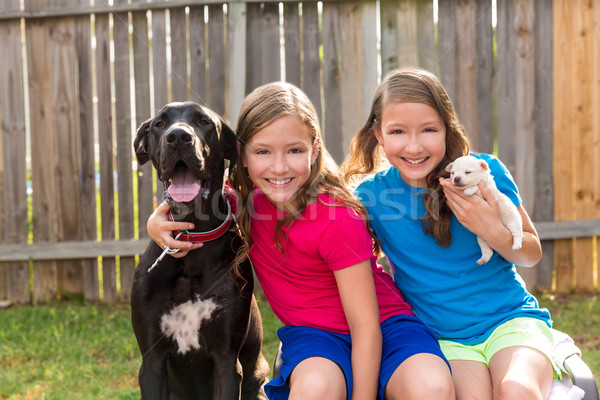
[
  {"x": 563, "y": 148},
  {"x": 447, "y": 45},
  {"x": 585, "y": 139},
  {"x": 568, "y": 229},
  {"x": 43, "y": 10},
  {"x": 543, "y": 206},
  {"x": 358, "y": 78},
  {"x": 83, "y": 43},
  {"x": 159, "y": 61},
  {"x": 216, "y": 59},
  {"x": 9, "y": 6},
  {"x": 160, "y": 91},
  {"x": 197, "y": 54},
  {"x": 14, "y": 277},
  {"x": 523, "y": 109},
  {"x": 291, "y": 34},
  {"x": 331, "y": 80},
  {"x": 399, "y": 46},
  {"x": 312, "y": 71},
  {"x": 124, "y": 118},
  {"x": 406, "y": 31},
  {"x": 465, "y": 101},
  {"x": 64, "y": 104},
  {"x": 505, "y": 84},
  {"x": 3, "y": 219},
  {"x": 105, "y": 144},
  {"x": 179, "y": 57},
  {"x": 45, "y": 283},
  {"x": 3, "y": 267},
  {"x": 596, "y": 105},
  {"x": 236, "y": 25},
  {"x": 426, "y": 35},
  {"x": 87, "y": 249},
  {"x": 523, "y": 106},
  {"x": 143, "y": 111},
  {"x": 485, "y": 76},
  {"x": 263, "y": 45}
]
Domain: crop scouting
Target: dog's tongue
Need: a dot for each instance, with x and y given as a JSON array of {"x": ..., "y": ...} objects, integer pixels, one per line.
[{"x": 184, "y": 187}]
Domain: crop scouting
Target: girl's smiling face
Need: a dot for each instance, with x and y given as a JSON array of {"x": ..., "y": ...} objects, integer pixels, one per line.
[
  {"x": 279, "y": 158},
  {"x": 413, "y": 136}
]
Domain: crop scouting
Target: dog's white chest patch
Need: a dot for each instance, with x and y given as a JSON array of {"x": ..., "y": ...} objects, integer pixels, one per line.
[{"x": 182, "y": 324}]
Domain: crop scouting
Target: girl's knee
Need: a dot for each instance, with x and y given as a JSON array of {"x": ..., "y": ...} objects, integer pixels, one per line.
[
  {"x": 317, "y": 379},
  {"x": 317, "y": 386},
  {"x": 421, "y": 378},
  {"x": 514, "y": 389},
  {"x": 432, "y": 387}
]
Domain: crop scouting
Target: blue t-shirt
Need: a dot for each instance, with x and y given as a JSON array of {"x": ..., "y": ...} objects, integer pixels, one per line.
[{"x": 458, "y": 298}]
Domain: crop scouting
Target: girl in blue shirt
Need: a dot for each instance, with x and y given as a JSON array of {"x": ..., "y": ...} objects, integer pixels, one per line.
[{"x": 492, "y": 331}]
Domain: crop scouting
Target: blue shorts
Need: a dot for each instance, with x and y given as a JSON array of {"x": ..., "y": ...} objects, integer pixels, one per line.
[{"x": 403, "y": 336}]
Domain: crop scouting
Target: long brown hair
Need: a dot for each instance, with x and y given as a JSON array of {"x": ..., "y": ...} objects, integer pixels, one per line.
[
  {"x": 411, "y": 85},
  {"x": 262, "y": 107}
]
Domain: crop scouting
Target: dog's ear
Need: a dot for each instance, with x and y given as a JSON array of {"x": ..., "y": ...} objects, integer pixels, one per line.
[
  {"x": 484, "y": 165},
  {"x": 141, "y": 142},
  {"x": 229, "y": 140},
  {"x": 449, "y": 167}
]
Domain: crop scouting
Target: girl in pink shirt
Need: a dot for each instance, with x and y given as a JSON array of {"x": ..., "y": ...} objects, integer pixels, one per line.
[{"x": 349, "y": 333}]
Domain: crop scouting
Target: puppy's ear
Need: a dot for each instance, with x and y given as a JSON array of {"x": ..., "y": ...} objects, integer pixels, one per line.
[
  {"x": 229, "y": 140},
  {"x": 141, "y": 142},
  {"x": 484, "y": 165},
  {"x": 449, "y": 167}
]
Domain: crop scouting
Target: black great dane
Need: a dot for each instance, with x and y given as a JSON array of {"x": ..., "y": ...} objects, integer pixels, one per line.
[{"x": 196, "y": 322}]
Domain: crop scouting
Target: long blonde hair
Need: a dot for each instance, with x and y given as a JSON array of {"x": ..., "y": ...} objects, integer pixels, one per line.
[
  {"x": 411, "y": 85},
  {"x": 262, "y": 107}
]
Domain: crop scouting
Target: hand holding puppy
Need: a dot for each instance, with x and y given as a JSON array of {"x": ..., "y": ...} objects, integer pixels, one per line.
[{"x": 470, "y": 174}]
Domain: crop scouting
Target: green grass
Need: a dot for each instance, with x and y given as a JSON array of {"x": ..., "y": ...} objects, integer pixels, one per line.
[
  {"x": 77, "y": 350},
  {"x": 54, "y": 352}
]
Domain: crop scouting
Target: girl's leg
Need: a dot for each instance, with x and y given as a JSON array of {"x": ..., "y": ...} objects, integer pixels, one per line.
[
  {"x": 421, "y": 376},
  {"x": 317, "y": 378},
  {"x": 521, "y": 373},
  {"x": 472, "y": 380}
]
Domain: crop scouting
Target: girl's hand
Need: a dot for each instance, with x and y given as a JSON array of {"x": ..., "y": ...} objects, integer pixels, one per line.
[
  {"x": 479, "y": 215},
  {"x": 482, "y": 217},
  {"x": 161, "y": 230}
]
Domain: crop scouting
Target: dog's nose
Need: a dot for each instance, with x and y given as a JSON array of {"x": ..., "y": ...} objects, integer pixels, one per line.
[
  {"x": 456, "y": 180},
  {"x": 179, "y": 137}
]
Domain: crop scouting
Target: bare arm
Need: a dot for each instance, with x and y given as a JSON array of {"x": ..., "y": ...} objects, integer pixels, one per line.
[
  {"x": 482, "y": 217},
  {"x": 161, "y": 230},
  {"x": 357, "y": 292}
]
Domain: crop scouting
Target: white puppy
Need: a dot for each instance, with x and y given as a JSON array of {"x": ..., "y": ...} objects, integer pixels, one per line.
[{"x": 465, "y": 173}]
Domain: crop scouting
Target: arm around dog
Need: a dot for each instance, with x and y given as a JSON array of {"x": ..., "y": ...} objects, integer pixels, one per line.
[{"x": 161, "y": 230}]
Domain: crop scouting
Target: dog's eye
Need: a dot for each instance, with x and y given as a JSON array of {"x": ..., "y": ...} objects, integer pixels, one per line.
[
  {"x": 467, "y": 172},
  {"x": 204, "y": 122},
  {"x": 159, "y": 124}
]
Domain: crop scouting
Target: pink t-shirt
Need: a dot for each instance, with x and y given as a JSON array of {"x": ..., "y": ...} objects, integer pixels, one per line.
[{"x": 299, "y": 283}]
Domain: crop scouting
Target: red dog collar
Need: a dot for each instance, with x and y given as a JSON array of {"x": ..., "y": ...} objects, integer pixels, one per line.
[{"x": 187, "y": 236}]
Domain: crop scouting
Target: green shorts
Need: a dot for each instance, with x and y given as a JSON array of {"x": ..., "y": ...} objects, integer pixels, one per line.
[{"x": 528, "y": 332}]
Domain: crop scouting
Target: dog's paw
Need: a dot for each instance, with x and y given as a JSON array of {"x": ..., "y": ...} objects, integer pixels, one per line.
[
  {"x": 471, "y": 190},
  {"x": 517, "y": 244},
  {"x": 486, "y": 254}
]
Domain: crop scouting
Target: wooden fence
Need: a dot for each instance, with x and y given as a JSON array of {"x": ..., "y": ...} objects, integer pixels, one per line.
[{"x": 78, "y": 76}]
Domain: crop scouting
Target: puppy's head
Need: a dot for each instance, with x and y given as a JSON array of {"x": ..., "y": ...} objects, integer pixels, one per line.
[
  {"x": 467, "y": 171},
  {"x": 187, "y": 144}
]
